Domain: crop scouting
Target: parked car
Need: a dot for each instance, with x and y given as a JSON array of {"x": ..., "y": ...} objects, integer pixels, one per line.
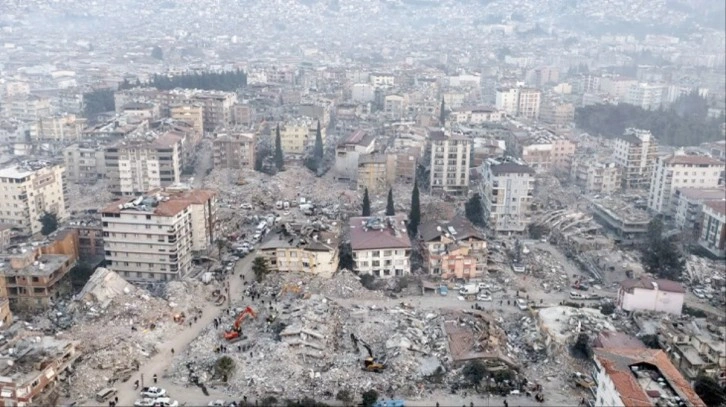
[
  {"x": 216, "y": 403},
  {"x": 153, "y": 392},
  {"x": 484, "y": 297},
  {"x": 165, "y": 402},
  {"x": 699, "y": 293},
  {"x": 522, "y": 304},
  {"x": 145, "y": 402}
]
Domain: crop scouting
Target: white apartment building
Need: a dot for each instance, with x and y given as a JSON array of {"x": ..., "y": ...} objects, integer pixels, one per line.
[
  {"x": 363, "y": 92},
  {"x": 381, "y": 79},
  {"x": 58, "y": 128},
  {"x": 687, "y": 207},
  {"x": 28, "y": 108},
  {"x": 137, "y": 165},
  {"x": 713, "y": 233},
  {"x": 507, "y": 100},
  {"x": 85, "y": 164},
  {"x": 381, "y": 246},
  {"x": 477, "y": 115},
  {"x": 647, "y": 96},
  {"x": 681, "y": 171},
  {"x": 450, "y": 155},
  {"x": 636, "y": 152},
  {"x": 506, "y": 190},
  {"x": 647, "y": 294},
  {"x": 395, "y": 106},
  {"x": 596, "y": 177},
  {"x": 30, "y": 190},
  {"x": 152, "y": 237},
  {"x": 518, "y": 101}
]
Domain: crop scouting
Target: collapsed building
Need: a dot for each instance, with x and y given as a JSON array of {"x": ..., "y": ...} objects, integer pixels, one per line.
[
  {"x": 453, "y": 249},
  {"x": 308, "y": 248}
]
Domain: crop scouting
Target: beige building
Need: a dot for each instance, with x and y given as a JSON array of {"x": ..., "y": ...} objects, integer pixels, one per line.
[
  {"x": 58, "y": 128},
  {"x": 546, "y": 151},
  {"x": 28, "y": 192},
  {"x": 152, "y": 237},
  {"x": 190, "y": 113},
  {"x": 556, "y": 113},
  {"x": 234, "y": 149},
  {"x": 636, "y": 152},
  {"x": 85, "y": 164},
  {"x": 296, "y": 136},
  {"x": 243, "y": 115},
  {"x": 138, "y": 111},
  {"x": 450, "y": 156},
  {"x": 596, "y": 177},
  {"x": 476, "y": 115},
  {"x": 136, "y": 165},
  {"x": 507, "y": 100},
  {"x": 453, "y": 248},
  {"x": 381, "y": 246},
  {"x": 376, "y": 172},
  {"x": 529, "y": 103},
  {"x": 681, "y": 171},
  {"x": 28, "y": 108},
  {"x": 394, "y": 106},
  {"x": 506, "y": 190},
  {"x": 347, "y": 153},
  {"x": 301, "y": 251}
]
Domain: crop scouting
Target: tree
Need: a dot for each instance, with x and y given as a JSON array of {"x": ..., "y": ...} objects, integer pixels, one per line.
[
  {"x": 582, "y": 348},
  {"x": 259, "y": 267},
  {"x": 475, "y": 211},
  {"x": 345, "y": 256},
  {"x": 442, "y": 113},
  {"x": 368, "y": 281},
  {"x": 221, "y": 244},
  {"x": 344, "y": 396},
  {"x": 607, "y": 309},
  {"x": 474, "y": 371},
  {"x": 390, "y": 208},
  {"x": 318, "y": 148},
  {"x": 709, "y": 391},
  {"x": 661, "y": 256},
  {"x": 224, "y": 367},
  {"x": 157, "y": 53},
  {"x": 98, "y": 101},
  {"x": 366, "y": 204},
  {"x": 279, "y": 158},
  {"x": 414, "y": 217},
  {"x": 49, "y": 222},
  {"x": 369, "y": 398}
]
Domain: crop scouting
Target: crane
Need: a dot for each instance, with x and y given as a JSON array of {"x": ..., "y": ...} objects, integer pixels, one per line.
[{"x": 236, "y": 330}]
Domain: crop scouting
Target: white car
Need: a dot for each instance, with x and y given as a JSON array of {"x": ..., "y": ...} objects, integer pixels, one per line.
[
  {"x": 216, "y": 403},
  {"x": 484, "y": 298},
  {"x": 246, "y": 206},
  {"x": 165, "y": 402},
  {"x": 145, "y": 402},
  {"x": 153, "y": 392}
]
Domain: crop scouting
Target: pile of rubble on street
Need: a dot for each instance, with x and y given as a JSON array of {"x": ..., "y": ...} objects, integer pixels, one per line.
[{"x": 118, "y": 326}]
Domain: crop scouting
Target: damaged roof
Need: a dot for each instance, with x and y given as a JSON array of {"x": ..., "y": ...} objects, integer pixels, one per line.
[
  {"x": 369, "y": 233},
  {"x": 462, "y": 229},
  {"x": 649, "y": 283}
]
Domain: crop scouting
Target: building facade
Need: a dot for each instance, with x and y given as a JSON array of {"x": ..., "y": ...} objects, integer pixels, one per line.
[
  {"x": 636, "y": 152},
  {"x": 453, "y": 249},
  {"x": 713, "y": 233},
  {"x": 681, "y": 171},
  {"x": 358, "y": 143},
  {"x": 85, "y": 164},
  {"x": 381, "y": 246},
  {"x": 234, "y": 149},
  {"x": 647, "y": 294},
  {"x": 30, "y": 190},
  {"x": 449, "y": 163},
  {"x": 596, "y": 177},
  {"x": 506, "y": 190},
  {"x": 376, "y": 173}
]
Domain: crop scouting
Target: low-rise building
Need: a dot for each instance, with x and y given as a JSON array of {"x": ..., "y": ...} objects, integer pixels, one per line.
[
  {"x": 381, "y": 246},
  {"x": 633, "y": 377},
  {"x": 647, "y": 294},
  {"x": 453, "y": 249},
  {"x": 300, "y": 248},
  {"x": 475, "y": 115},
  {"x": 360, "y": 142},
  {"x": 234, "y": 149},
  {"x": 687, "y": 205},
  {"x": 713, "y": 232},
  {"x": 376, "y": 172},
  {"x": 621, "y": 217}
]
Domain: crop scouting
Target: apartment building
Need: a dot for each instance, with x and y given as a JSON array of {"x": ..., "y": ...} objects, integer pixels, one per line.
[
  {"x": 217, "y": 107},
  {"x": 453, "y": 248},
  {"x": 243, "y": 114},
  {"x": 381, "y": 246},
  {"x": 376, "y": 172},
  {"x": 152, "y": 237},
  {"x": 298, "y": 135},
  {"x": 362, "y": 92},
  {"x": 58, "y": 128},
  {"x": 347, "y": 152},
  {"x": 687, "y": 207},
  {"x": 406, "y": 163},
  {"x": 681, "y": 171},
  {"x": 596, "y": 177},
  {"x": 381, "y": 79},
  {"x": 713, "y": 233},
  {"x": 647, "y": 294},
  {"x": 234, "y": 149},
  {"x": 557, "y": 113},
  {"x": 507, "y": 100},
  {"x": 29, "y": 190},
  {"x": 524, "y": 102},
  {"x": 475, "y": 115},
  {"x": 139, "y": 111},
  {"x": 545, "y": 150},
  {"x": 28, "y": 108},
  {"x": 394, "y": 106},
  {"x": 136, "y": 165},
  {"x": 633, "y": 377},
  {"x": 449, "y": 162},
  {"x": 647, "y": 96},
  {"x": 636, "y": 152},
  {"x": 190, "y": 113},
  {"x": 299, "y": 248},
  {"x": 506, "y": 189},
  {"x": 85, "y": 163}
]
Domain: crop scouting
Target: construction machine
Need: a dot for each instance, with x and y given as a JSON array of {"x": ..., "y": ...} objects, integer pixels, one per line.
[
  {"x": 371, "y": 363},
  {"x": 236, "y": 330}
]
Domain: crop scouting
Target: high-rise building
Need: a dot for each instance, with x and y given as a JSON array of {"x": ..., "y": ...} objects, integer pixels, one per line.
[
  {"x": 29, "y": 191},
  {"x": 152, "y": 237},
  {"x": 234, "y": 149},
  {"x": 647, "y": 96},
  {"x": 681, "y": 171},
  {"x": 85, "y": 163},
  {"x": 635, "y": 152},
  {"x": 450, "y": 155},
  {"x": 506, "y": 189}
]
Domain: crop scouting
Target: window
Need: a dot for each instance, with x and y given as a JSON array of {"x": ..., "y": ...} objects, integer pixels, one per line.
[{"x": 386, "y": 253}]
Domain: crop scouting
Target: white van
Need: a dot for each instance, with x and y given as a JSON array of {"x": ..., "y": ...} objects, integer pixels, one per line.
[{"x": 106, "y": 394}]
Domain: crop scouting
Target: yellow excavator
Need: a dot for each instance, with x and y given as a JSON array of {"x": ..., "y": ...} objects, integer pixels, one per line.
[{"x": 371, "y": 363}]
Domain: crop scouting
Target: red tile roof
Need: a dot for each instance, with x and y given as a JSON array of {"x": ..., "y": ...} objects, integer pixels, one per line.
[
  {"x": 683, "y": 159},
  {"x": 362, "y": 238}
]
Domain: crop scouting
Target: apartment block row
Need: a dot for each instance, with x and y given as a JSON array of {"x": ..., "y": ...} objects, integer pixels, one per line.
[{"x": 519, "y": 101}]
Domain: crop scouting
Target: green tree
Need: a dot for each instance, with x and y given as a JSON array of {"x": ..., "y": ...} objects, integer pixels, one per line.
[
  {"x": 80, "y": 274},
  {"x": 318, "y": 148},
  {"x": 475, "y": 211},
  {"x": 157, "y": 53},
  {"x": 49, "y": 222},
  {"x": 390, "y": 207},
  {"x": 369, "y": 398},
  {"x": 661, "y": 256},
  {"x": 710, "y": 391},
  {"x": 442, "y": 113},
  {"x": 279, "y": 158},
  {"x": 474, "y": 371},
  {"x": 345, "y": 256},
  {"x": 224, "y": 367},
  {"x": 366, "y": 204},
  {"x": 259, "y": 267},
  {"x": 221, "y": 244},
  {"x": 98, "y": 101},
  {"x": 344, "y": 396},
  {"x": 414, "y": 218}
]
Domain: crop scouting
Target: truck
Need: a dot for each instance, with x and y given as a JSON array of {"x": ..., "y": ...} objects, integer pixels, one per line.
[{"x": 469, "y": 289}]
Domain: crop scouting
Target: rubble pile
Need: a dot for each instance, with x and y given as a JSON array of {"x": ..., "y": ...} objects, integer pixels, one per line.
[
  {"x": 82, "y": 197},
  {"x": 322, "y": 344},
  {"x": 701, "y": 270},
  {"x": 118, "y": 326}
]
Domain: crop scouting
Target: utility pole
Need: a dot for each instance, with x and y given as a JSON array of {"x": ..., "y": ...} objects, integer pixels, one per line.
[
  {"x": 229, "y": 297},
  {"x": 142, "y": 380}
]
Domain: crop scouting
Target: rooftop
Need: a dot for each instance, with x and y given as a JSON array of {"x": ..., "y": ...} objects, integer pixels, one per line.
[
  {"x": 387, "y": 232},
  {"x": 717, "y": 206},
  {"x": 20, "y": 171},
  {"x": 648, "y": 283},
  {"x": 44, "y": 266},
  {"x": 689, "y": 159},
  {"x": 160, "y": 202},
  {"x": 700, "y": 194},
  {"x": 511, "y": 168},
  {"x": 459, "y": 228}
]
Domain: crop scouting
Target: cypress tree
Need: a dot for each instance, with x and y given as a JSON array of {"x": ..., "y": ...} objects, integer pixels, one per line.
[
  {"x": 366, "y": 204},
  {"x": 279, "y": 159},
  {"x": 318, "y": 150},
  {"x": 390, "y": 208},
  {"x": 442, "y": 113},
  {"x": 414, "y": 217}
]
